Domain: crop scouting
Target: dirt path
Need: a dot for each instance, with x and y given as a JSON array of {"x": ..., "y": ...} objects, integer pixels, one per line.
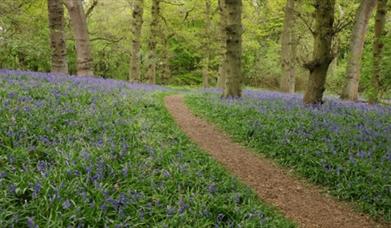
[{"x": 299, "y": 201}]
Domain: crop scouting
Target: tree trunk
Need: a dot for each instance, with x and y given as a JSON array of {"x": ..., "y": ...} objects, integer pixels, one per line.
[
  {"x": 137, "y": 23},
  {"x": 57, "y": 37},
  {"x": 322, "y": 56},
  {"x": 206, "y": 45},
  {"x": 152, "y": 43},
  {"x": 233, "y": 57},
  {"x": 223, "y": 42},
  {"x": 80, "y": 33},
  {"x": 378, "y": 48},
  {"x": 288, "y": 49},
  {"x": 350, "y": 90},
  {"x": 165, "y": 71}
]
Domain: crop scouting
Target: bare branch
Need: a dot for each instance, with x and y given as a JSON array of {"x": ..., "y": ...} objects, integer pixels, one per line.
[
  {"x": 91, "y": 8},
  {"x": 306, "y": 22}
]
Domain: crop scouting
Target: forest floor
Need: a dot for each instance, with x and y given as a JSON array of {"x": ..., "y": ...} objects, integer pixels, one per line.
[{"x": 306, "y": 204}]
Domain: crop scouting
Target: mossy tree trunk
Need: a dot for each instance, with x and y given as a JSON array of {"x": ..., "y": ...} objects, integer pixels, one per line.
[
  {"x": 288, "y": 49},
  {"x": 80, "y": 33},
  {"x": 378, "y": 49},
  {"x": 206, "y": 44},
  {"x": 233, "y": 56},
  {"x": 223, "y": 43},
  {"x": 57, "y": 37},
  {"x": 350, "y": 91},
  {"x": 152, "y": 42},
  {"x": 322, "y": 53},
  {"x": 164, "y": 66},
  {"x": 137, "y": 23}
]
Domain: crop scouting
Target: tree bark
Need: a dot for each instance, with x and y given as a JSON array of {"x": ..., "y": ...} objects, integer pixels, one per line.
[
  {"x": 350, "y": 91},
  {"x": 152, "y": 44},
  {"x": 223, "y": 42},
  {"x": 206, "y": 46},
  {"x": 57, "y": 37},
  {"x": 165, "y": 70},
  {"x": 80, "y": 33},
  {"x": 322, "y": 53},
  {"x": 137, "y": 23},
  {"x": 288, "y": 49},
  {"x": 378, "y": 48},
  {"x": 233, "y": 57}
]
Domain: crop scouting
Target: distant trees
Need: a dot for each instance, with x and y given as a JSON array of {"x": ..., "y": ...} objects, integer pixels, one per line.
[
  {"x": 57, "y": 37},
  {"x": 360, "y": 28},
  {"x": 322, "y": 52},
  {"x": 185, "y": 43},
  {"x": 288, "y": 49},
  {"x": 80, "y": 33},
  {"x": 137, "y": 22},
  {"x": 233, "y": 56}
]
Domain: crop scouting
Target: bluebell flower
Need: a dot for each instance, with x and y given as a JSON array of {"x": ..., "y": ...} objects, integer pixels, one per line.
[
  {"x": 42, "y": 167},
  {"x": 31, "y": 223},
  {"x": 12, "y": 188},
  {"x": 67, "y": 204},
  {"x": 3, "y": 175},
  {"x": 36, "y": 189},
  {"x": 170, "y": 211},
  {"x": 212, "y": 188},
  {"x": 182, "y": 206},
  {"x": 166, "y": 173}
]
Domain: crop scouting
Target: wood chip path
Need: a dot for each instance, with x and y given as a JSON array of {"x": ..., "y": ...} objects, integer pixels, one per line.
[{"x": 297, "y": 200}]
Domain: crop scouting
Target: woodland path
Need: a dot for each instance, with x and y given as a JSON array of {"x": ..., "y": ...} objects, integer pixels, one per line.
[{"x": 304, "y": 203}]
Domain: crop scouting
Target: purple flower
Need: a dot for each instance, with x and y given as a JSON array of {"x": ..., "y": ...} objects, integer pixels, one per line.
[
  {"x": 171, "y": 211},
  {"x": 31, "y": 223},
  {"x": 361, "y": 154},
  {"x": 212, "y": 188},
  {"x": 220, "y": 217},
  {"x": 36, "y": 189},
  {"x": 66, "y": 205},
  {"x": 3, "y": 175},
  {"x": 166, "y": 173},
  {"x": 388, "y": 156},
  {"x": 125, "y": 171},
  {"x": 42, "y": 166},
  {"x": 182, "y": 206},
  {"x": 12, "y": 188},
  {"x": 351, "y": 159}
]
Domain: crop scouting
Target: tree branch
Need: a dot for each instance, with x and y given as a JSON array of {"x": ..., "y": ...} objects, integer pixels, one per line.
[
  {"x": 306, "y": 23},
  {"x": 91, "y": 8}
]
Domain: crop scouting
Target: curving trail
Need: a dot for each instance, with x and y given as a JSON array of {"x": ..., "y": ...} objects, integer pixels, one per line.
[{"x": 300, "y": 201}]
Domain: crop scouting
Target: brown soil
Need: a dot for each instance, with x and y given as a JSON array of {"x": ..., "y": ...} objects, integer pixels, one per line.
[{"x": 306, "y": 204}]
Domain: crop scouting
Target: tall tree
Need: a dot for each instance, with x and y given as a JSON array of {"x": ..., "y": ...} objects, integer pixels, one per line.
[
  {"x": 57, "y": 37},
  {"x": 233, "y": 57},
  {"x": 350, "y": 90},
  {"x": 222, "y": 41},
  {"x": 378, "y": 48},
  {"x": 322, "y": 53},
  {"x": 288, "y": 49},
  {"x": 165, "y": 70},
  {"x": 152, "y": 42},
  {"x": 80, "y": 33},
  {"x": 206, "y": 44},
  {"x": 137, "y": 23}
]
